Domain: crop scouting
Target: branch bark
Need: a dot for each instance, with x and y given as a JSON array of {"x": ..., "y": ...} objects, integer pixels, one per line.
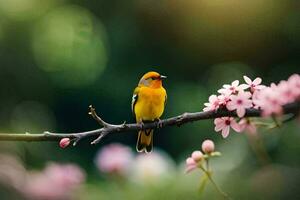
[{"x": 98, "y": 134}]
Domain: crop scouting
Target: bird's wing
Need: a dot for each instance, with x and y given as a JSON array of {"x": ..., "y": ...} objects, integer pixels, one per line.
[{"x": 134, "y": 100}]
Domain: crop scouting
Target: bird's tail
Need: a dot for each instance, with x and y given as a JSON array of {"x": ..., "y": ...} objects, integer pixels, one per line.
[{"x": 145, "y": 141}]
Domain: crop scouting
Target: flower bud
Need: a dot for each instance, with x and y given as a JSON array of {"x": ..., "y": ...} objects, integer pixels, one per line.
[
  {"x": 64, "y": 142},
  {"x": 190, "y": 161},
  {"x": 208, "y": 146},
  {"x": 197, "y": 156}
]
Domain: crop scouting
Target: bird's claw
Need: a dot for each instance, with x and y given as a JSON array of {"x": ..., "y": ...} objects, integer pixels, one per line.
[
  {"x": 142, "y": 125},
  {"x": 159, "y": 123}
]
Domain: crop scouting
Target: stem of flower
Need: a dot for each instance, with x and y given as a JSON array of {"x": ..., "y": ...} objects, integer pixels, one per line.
[
  {"x": 207, "y": 164},
  {"x": 208, "y": 173}
]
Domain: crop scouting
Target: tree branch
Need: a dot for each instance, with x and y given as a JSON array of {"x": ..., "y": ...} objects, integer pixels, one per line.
[{"x": 292, "y": 108}]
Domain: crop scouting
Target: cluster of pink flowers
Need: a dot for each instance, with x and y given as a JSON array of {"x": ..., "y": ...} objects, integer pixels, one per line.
[
  {"x": 194, "y": 161},
  {"x": 239, "y": 97}
]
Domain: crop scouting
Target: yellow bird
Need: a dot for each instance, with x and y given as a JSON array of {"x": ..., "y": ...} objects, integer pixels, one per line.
[{"x": 148, "y": 103}]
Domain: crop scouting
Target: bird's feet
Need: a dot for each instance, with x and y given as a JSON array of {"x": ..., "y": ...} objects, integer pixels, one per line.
[
  {"x": 142, "y": 125},
  {"x": 159, "y": 123}
]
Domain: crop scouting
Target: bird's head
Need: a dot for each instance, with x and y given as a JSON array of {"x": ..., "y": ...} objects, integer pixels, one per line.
[{"x": 152, "y": 79}]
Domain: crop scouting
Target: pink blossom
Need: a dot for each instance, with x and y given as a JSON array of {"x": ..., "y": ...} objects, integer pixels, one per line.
[
  {"x": 191, "y": 165},
  {"x": 294, "y": 82},
  {"x": 114, "y": 158},
  {"x": 253, "y": 85},
  {"x": 232, "y": 89},
  {"x": 256, "y": 99},
  {"x": 240, "y": 103},
  {"x": 193, "y": 161},
  {"x": 246, "y": 125},
  {"x": 213, "y": 103},
  {"x": 208, "y": 146},
  {"x": 224, "y": 124},
  {"x": 197, "y": 156},
  {"x": 268, "y": 100},
  {"x": 286, "y": 91},
  {"x": 56, "y": 182},
  {"x": 64, "y": 142}
]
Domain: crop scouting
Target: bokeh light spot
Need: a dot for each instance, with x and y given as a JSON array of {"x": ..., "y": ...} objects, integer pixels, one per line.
[
  {"x": 20, "y": 10},
  {"x": 69, "y": 43},
  {"x": 33, "y": 117}
]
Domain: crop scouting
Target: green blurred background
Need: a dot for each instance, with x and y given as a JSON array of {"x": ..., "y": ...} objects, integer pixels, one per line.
[{"x": 58, "y": 57}]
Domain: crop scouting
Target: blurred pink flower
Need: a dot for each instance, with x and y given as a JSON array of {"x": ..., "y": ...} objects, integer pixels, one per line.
[
  {"x": 64, "y": 142},
  {"x": 256, "y": 99},
  {"x": 193, "y": 161},
  {"x": 12, "y": 172},
  {"x": 268, "y": 100},
  {"x": 253, "y": 85},
  {"x": 232, "y": 89},
  {"x": 246, "y": 125},
  {"x": 240, "y": 102},
  {"x": 56, "y": 182},
  {"x": 271, "y": 99},
  {"x": 224, "y": 123},
  {"x": 294, "y": 83},
  {"x": 287, "y": 92},
  {"x": 197, "y": 156},
  {"x": 208, "y": 146},
  {"x": 191, "y": 165},
  {"x": 114, "y": 159},
  {"x": 213, "y": 104}
]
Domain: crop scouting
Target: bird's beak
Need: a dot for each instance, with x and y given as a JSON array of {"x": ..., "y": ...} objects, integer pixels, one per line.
[{"x": 162, "y": 77}]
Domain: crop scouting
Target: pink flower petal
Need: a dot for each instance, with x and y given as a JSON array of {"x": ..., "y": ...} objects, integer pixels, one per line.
[
  {"x": 221, "y": 122},
  {"x": 225, "y": 131},
  {"x": 190, "y": 168},
  {"x": 207, "y": 104},
  {"x": 226, "y": 86},
  {"x": 197, "y": 156},
  {"x": 247, "y": 80},
  {"x": 248, "y": 104},
  {"x": 190, "y": 161},
  {"x": 233, "y": 97},
  {"x": 218, "y": 121},
  {"x": 235, "y": 83},
  {"x": 247, "y": 95},
  {"x": 235, "y": 126},
  {"x": 207, "y": 109},
  {"x": 241, "y": 112},
  {"x": 230, "y": 105},
  {"x": 257, "y": 81},
  {"x": 260, "y": 87},
  {"x": 212, "y": 98},
  {"x": 224, "y": 91},
  {"x": 220, "y": 127},
  {"x": 243, "y": 87}
]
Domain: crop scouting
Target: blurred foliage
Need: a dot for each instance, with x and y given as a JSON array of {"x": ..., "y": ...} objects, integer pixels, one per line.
[{"x": 58, "y": 57}]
